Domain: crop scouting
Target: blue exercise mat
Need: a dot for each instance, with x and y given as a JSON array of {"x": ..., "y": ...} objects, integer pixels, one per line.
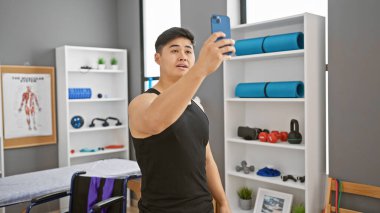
[
  {"x": 249, "y": 46},
  {"x": 250, "y": 90},
  {"x": 268, "y": 172},
  {"x": 283, "y": 42},
  {"x": 285, "y": 89}
]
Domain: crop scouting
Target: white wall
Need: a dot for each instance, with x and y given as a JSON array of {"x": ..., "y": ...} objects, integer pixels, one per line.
[
  {"x": 261, "y": 10},
  {"x": 158, "y": 17}
]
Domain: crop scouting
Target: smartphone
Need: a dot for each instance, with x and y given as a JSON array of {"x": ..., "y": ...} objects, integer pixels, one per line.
[{"x": 221, "y": 23}]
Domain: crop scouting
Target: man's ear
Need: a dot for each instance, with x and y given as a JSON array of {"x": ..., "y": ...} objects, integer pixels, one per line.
[{"x": 157, "y": 58}]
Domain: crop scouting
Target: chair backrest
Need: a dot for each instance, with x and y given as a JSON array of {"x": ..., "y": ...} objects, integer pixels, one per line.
[
  {"x": 86, "y": 191},
  {"x": 351, "y": 188}
]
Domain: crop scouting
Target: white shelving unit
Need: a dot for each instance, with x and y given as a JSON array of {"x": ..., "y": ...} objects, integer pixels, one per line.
[
  {"x": 112, "y": 84},
  {"x": 2, "y": 174},
  {"x": 2, "y": 168},
  {"x": 307, "y": 158}
]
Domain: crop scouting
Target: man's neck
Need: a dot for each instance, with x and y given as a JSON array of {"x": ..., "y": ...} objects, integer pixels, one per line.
[{"x": 164, "y": 84}]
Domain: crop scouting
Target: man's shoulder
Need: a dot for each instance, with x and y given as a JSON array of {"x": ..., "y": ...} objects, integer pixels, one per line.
[{"x": 142, "y": 99}]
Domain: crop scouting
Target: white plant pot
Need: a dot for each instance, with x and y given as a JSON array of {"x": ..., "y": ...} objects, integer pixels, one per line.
[
  {"x": 115, "y": 67},
  {"x": 246, "y": 204},
  {"x": 101, "y": 66}
]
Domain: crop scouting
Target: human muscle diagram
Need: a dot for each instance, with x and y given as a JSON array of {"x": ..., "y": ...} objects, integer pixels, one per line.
[{"x": 27, "y": 105}]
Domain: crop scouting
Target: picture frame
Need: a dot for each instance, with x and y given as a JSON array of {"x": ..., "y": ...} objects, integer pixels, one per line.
[
  {"x": 270, "y": 201},
  {"x": 28, "y": 106}
]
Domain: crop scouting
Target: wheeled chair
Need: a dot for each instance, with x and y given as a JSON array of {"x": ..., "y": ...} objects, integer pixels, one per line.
[{"x": 91, "y": 194}]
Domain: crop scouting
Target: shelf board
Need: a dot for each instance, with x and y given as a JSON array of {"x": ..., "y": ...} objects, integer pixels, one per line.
[
  {"x": 96, "y": 100},
  {"x": 272, "y": 180},
  {"x": 85, "y": 71},
  {"x": 285, "y": 21},
  {"x": 265, "y": 99},
  {"x": 97, "y": 49},
  {"x": 237, "y": 210},
  {"x": 87, "y": 129},
  {"x": 282, "y": 145},
  {"x": 274, "y": 55},
  {"x": 102, "y": 152}
]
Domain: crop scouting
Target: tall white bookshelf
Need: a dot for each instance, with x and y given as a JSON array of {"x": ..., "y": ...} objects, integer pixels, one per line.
[
  {"x": 2, "y": 173},
  {"x": 307, "y": 158},
  {"x": 111, "y": 84}
]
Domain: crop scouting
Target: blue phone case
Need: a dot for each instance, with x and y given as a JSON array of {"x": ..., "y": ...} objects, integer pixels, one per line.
[{"x": 221, "y": 23}]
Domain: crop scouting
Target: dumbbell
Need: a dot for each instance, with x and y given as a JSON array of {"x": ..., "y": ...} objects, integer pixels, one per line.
[
  {"x": 269, "y": 137},
  {"x": 244, "y": 167},
  {"x": 283, "y": 136},
  {"x": 273, "y": 137}
]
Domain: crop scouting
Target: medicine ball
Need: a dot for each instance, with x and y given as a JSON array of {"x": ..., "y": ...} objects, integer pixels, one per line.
[{"x": 77, "y": 121}]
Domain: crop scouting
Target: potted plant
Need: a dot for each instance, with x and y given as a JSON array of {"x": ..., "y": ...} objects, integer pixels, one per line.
[
  {"x": 245, "y": 198},
  {"x": 114, "y": 65},
  {"x": 299, "y": 208},
  {"x": 101, "y": 64}
]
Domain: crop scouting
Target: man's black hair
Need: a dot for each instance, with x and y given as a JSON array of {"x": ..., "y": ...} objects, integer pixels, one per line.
[{"x": 173, "y": 33}]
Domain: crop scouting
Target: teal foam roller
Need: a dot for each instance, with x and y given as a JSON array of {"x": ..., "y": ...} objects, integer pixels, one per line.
[
  {"x": 249, "y": 46},
  {"x": 285, "y": 89},
  {"x": 250, "y": 90},
  {"x": 283, "y": 42}
]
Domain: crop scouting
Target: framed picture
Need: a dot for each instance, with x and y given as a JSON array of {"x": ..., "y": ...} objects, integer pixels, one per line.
[
  {"x": 28, "y": 106},
  {"x": 270, "y": 201}
]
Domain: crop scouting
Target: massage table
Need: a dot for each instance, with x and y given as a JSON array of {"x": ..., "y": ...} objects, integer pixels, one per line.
[{"x": 22, "y": 188}]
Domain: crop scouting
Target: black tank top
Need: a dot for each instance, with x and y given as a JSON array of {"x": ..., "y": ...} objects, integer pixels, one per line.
[{"x": 173, "y": 164}]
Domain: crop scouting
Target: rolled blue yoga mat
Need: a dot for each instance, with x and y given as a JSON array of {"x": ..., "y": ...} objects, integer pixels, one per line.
[
  {"x": 249, "y": 46},
  {"x": 283, "y": 42},
  {"x": 282, "y": 89},
  {"x": 285, "y": 89},
  {"x": 250, "y": 90}
]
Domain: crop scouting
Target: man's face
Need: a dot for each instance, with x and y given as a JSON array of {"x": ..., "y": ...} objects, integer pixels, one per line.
[{"x": 176, "y": 58}]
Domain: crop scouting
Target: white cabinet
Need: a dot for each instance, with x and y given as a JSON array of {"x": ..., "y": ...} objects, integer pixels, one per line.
[
  {"x": 305, "y": 159},
  {"x": 2, "y": 174},
  {"x": 112, "y": 86}
]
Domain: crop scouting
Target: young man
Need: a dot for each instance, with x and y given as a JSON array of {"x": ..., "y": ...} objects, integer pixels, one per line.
[{"x": 170, "y": 131}]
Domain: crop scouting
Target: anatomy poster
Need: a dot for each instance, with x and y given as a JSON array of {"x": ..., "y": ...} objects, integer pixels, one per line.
[{"x": 27, "y": 105}]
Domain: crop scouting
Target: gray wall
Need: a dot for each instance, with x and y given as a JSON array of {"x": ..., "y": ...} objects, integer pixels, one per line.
[
  {"x": 31, "y": 30},
  {"x": 129, "y": 38},
  {"x": 354, "y": 103},
  {"x": 195, "y": 16}
]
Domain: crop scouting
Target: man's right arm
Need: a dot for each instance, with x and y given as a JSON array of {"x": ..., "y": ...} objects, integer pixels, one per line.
[{"x": 151, "y": 114}]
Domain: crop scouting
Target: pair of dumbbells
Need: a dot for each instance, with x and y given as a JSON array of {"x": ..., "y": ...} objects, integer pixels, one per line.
[
  {"x": 262, "y": 135},
  {"x": 273, "y": 137},
  {"x": 245, "y": 168},
  {"x": 293, "y": 137}
]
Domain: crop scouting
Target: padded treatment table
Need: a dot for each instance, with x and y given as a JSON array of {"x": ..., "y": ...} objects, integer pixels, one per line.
[{"x": 22, "y": 188}]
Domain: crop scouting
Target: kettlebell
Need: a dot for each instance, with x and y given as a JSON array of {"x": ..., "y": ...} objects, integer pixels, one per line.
[{"x": 294, "y": 136}]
